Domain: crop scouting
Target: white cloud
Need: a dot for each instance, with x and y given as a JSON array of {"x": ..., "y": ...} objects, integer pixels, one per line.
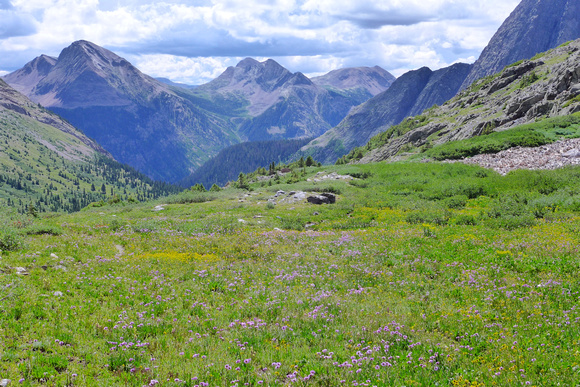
[{"x": 190, "y": 41}]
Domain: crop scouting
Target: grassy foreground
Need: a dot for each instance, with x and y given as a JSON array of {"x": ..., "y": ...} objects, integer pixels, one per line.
[{"x": 419, "y": 275}]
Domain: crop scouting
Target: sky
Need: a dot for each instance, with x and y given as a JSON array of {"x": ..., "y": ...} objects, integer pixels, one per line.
[{"x": 194, "y": 41}]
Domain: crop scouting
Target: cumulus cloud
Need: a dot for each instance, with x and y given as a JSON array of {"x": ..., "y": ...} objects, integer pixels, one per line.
[
  {"x": 183, "y": 40},
  {"x": 14, "y": 23}
]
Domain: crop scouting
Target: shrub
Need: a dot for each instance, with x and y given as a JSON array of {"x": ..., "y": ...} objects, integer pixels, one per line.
[
  {"x": 43, "y": 230},
  {"x": 465, "y": 220},
  {"x": 10, "y": 239}
]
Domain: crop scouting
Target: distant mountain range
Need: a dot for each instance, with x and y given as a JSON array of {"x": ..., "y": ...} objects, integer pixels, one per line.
[
  {"x": 141, "y": 120},
  {"x": 275, "y": 103}
]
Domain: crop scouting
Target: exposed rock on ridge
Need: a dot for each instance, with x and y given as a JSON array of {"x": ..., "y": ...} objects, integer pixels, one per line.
[{"x": 374, "y": 80}]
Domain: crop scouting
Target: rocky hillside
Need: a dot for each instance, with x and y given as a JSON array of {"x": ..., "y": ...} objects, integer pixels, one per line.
[
  {"x": 534, "y": 26},
  {"x": 546, "y": 86},
  {"x": 409, "y": 95},
  {"x": 47, "y": 163},
  {"x": 138, "y": 119}
]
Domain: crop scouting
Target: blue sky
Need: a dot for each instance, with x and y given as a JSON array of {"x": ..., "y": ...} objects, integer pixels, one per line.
[{"x": 194, "y": 41}]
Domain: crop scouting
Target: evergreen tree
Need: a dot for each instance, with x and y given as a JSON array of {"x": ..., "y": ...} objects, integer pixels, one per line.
[
  {"x": 215, "y": 188},
  {"x": 310, "y": 161}
]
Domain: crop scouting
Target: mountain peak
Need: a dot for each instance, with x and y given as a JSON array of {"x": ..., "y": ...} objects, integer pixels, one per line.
[
  {"x": 374, "y": 79},
  {"x": 247, "y": 63}
]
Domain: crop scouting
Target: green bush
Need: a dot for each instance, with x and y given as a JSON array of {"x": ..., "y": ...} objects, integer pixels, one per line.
[
  {"x": 10, "y": 239},
  {"x": 188, "y": 197},
  {"x": 43, "y": 230},
  {"x": 456, "y": 202},
  {"x": 465, "y": 220}
]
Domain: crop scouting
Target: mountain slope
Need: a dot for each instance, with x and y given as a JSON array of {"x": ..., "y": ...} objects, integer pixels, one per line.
[
  {"x": 534, "y": 26},
  {"x": 547, "y": 86},
  {"x": 274, "y": 103},
  {"x": 46, "y": 162},
  {"x": 138, "y": 119},
  {"x": 245, "y": 157},
  {"x": 409, "y": 95}
]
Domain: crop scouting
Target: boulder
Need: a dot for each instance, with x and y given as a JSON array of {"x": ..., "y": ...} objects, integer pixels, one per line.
[{"x": 325, "y": 198}]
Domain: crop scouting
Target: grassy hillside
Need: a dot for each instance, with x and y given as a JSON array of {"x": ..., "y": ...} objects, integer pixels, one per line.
[{"x": 420, "y": 274}]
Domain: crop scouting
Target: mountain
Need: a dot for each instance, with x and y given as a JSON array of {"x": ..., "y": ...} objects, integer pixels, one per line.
[
  {"x": 374, "y": 80},
  {"x": 245, "y": 157},
  {"x": 139, "y": 120},
  {"x": 533, "y": 27},
  {"x": 525, "y": 92},
  {"x": 409, "y": 95},
  {"x": 270, "y": 102},
  {"x": 46, "y": 162}
]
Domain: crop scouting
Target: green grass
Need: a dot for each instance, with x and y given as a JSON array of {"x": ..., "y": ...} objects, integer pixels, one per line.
[{"x": 420, "y": 274}]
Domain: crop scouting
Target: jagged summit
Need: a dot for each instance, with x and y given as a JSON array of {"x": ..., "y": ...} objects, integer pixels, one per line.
[{"x": 533, "y": 27}]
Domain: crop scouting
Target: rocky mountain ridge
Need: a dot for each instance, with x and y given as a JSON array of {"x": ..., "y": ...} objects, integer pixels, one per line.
[
  {"x": 274, "y": 103},
  {"x": 546, "y": 86},
  {"x": 535, "y": 26},
  {"x": 374, "y": 80}
]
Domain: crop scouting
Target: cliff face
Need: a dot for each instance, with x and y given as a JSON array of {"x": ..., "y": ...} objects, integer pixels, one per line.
[{"x": 534, "y": 26}]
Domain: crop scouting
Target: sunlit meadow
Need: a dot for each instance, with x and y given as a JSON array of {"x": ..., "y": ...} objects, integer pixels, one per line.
[{"x": 419, "y": 275}]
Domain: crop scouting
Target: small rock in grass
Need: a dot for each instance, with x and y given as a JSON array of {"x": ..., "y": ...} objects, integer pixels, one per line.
[
  {"x": 21, "y": 271},
  {"x": 4, "y": 382},
  {"x": 241, "y": 221},
  {"x": 57, "y": 293},
  {"x": 61, "y": 267},
  {"x": 53, "y": 255}
]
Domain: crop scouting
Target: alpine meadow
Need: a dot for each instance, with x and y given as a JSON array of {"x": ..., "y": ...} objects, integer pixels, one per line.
[{"x": 340, "y": 226}]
